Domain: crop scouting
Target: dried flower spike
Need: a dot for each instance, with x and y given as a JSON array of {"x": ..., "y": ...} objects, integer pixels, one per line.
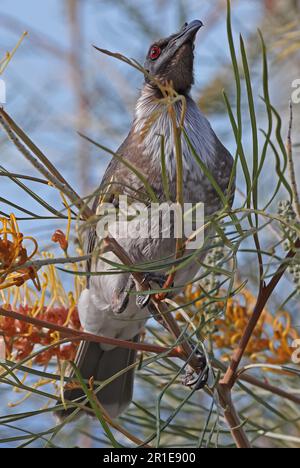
[
  {"x": 60, "y": 238},
  {"x": 13, "y": 255}
]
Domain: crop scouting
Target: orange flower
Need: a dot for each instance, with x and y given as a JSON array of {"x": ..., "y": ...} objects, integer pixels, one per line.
[
  {"x": 271, "y": 341},
  {"x": 60, "y": 238},
  {"x": 21, "y": 338},
  {"x": 13, "y": 255}
]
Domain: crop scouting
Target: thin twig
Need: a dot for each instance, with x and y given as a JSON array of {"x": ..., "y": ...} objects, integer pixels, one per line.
[
  {"x": 83, "y": 336},
  {"x": 45, "y": 167},
  {"x": 38, "y": 264},
  {"x": 232, "y": 418},
  {"x": 179, "y": 193},
  {"x": 259, "y": 384},
  {"x": 263, "y": 297},
  {"x": 226, "y": 384},
  {"x": 75, "y": 10},
  {"x": 291, "y": 164},
  {"x": 25, "y": 177},
  {"x": 75, "y": 335},
  {"x": 269, "y": 388}
]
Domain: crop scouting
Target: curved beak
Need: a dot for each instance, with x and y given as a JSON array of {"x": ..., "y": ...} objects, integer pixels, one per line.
[{"x": 188, "y": 33}]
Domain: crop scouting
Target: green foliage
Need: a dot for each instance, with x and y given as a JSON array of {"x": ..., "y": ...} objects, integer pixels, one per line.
[{"x": 165, "y": 413}]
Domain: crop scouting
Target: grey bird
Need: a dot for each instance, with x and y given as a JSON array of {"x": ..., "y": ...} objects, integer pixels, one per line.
[{"x": 107, "y": 306}]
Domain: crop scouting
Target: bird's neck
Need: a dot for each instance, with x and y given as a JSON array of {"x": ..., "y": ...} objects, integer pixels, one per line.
[
  {"x": 152, "y": 120},
  {"x": 150, "y": 102}
]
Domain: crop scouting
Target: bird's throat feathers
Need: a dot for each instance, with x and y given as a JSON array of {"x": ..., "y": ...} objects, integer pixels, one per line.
[{"x": 152, "y": 121}]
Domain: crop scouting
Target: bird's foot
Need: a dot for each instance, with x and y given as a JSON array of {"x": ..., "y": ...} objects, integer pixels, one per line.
[
  {"x": 157, "y": 278},
  {"x": 198, "y": 379},
  {"x": 142, "y": 300}
]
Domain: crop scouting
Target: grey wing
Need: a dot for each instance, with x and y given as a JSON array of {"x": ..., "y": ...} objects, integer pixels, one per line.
[
  {"x": 224, "y": 171},
  {"x": 119, "y": 179}
]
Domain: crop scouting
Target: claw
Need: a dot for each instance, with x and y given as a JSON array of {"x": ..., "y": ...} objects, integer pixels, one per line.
[
  {"x": 142, "y": 300},
  {"x": 199, "y": 380},
  {"x": 156, "y": 278}
]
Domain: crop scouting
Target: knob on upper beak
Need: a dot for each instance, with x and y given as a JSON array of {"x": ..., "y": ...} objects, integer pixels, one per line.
[
  {"x": 192, "y": 28},
  {"x": 188, "y": 32}
]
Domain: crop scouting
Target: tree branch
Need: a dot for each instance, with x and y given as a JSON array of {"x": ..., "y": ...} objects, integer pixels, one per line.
[
  {"x": 264, "y": 296},
  {"x": 83, "y": 336},
  {"x": 291, "y": 165}
]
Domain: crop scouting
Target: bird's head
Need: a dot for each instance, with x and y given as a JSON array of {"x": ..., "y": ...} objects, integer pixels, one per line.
[{"x": 172, "y": 59}]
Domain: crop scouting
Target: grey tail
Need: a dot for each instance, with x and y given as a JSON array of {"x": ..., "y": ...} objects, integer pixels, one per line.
[{"x": 92, "y": 361}]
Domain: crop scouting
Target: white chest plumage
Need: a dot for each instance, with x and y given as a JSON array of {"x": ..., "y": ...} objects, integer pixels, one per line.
[{"x": 152, "y": 120}]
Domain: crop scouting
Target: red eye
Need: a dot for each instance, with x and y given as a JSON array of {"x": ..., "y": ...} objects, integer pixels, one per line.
[{"x": 155, "y": 52}]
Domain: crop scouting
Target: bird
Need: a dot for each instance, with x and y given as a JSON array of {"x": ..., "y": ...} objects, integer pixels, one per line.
[{"x": 108, "y": 306}]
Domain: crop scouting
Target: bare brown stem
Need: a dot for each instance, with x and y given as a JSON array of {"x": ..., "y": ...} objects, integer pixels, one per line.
[
  {"x": 83, "y": 336},
  {"x": 263, "y": 297},
  {"x": 76, "y": 11},
  {"x": 259, "y": 384},
  {"x": 232, "y": 418},
  {"x": 269, "y": 388},
  {"x": 292, "y": 166},
  {"x": 230, "y": 376}
]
